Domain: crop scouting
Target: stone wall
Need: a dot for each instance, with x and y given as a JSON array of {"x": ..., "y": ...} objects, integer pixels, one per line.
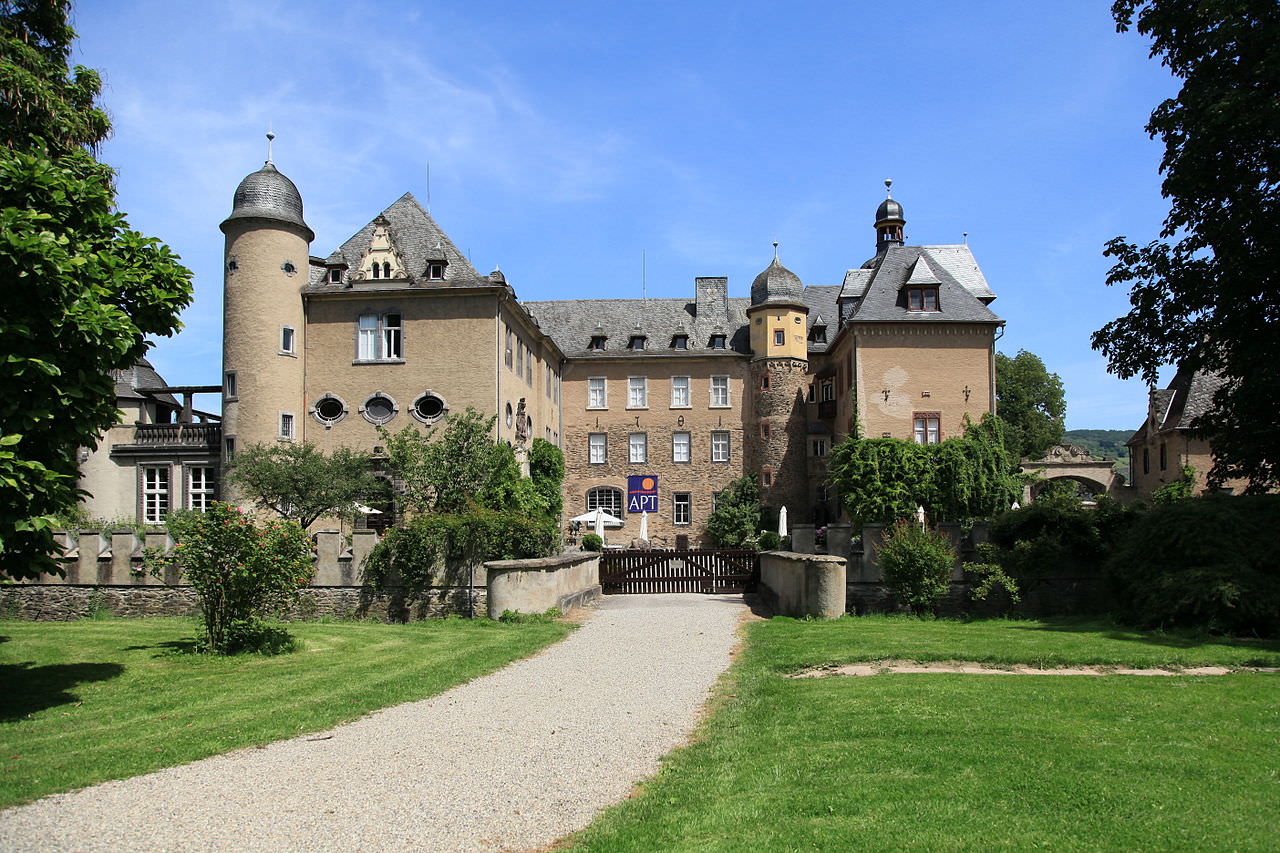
[
  {"x": 802, "y": 585},
  {"x": 537, "y": 585},
  {"x": 104, "y": 573}
]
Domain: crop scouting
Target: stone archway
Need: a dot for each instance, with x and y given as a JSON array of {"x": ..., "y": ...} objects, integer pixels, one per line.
[{"x": 1070, "y": 462}]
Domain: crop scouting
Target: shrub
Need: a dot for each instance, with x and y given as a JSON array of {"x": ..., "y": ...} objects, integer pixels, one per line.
[
  {"x": 737, "y": 515},
  {"x": 917, "y": 565},
  {"x": 240, "y": 571},
  {"x": 1058, "y": 536},
  {"x": 769, "y": 540},
  {"x": 422, "y": 551},
  {"x": 1179, "y": 490},
  {"x": 592, "y": 542},
  {"x": 1210, "y": 563}
]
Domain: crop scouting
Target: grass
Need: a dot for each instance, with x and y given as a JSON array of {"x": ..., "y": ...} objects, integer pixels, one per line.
[
  {"x": 963, "y": 762},
  {"x": 83, "y": 702}
]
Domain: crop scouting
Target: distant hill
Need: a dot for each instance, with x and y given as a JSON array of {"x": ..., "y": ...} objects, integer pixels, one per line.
[{"x": 1101, "y": 442}]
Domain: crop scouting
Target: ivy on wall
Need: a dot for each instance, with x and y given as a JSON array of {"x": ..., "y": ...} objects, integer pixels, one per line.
[{"x": 960, "y": 479}]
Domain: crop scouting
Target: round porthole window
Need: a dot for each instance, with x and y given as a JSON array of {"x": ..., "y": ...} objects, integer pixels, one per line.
[
  {"x": 378, "y": 409},
  {"x": 429, "y": 408},
  {"x": 329, "y": 409}
]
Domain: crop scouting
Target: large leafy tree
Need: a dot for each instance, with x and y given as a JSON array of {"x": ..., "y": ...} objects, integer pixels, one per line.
[
  {"x": 1205, "y": 293},
  {"x": 81, "y": 292},
  {"x": 300, "y": 482},
  {"x": 1031, "y": 403}
]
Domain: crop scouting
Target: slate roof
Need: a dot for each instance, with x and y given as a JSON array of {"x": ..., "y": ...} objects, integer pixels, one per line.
[
  {"x": 776, "y": 283},
  {"x": 268, "y": 194},
  {"x": 418, "y": 239},
  {"x": 141, "y": 375},
  {"x": 881, "y": 301},
  {"x": 571, "y": 323},
  {"x": 959, "y": 261},
  {"x": 821, "y": 299},
  {"x": 1189, "y": 395}
]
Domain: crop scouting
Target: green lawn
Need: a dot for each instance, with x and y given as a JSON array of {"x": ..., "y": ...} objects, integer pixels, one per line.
[
  {"x": 82, "y": 702},
  {"x": 969, "y": 762}
]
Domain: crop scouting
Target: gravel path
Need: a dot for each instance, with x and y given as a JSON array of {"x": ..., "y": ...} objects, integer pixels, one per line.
[{"x": 515, "y": 760}]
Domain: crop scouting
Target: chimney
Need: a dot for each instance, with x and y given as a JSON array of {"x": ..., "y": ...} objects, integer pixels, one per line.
[{"x": 712, "y": 297}]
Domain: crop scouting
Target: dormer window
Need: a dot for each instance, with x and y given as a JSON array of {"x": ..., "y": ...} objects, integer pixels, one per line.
[
  {"x": 335, "y": 276},
  {"x": 637, "y": 342},
  {"x": 923, "y": 298},
  {"x": 818, "y": 335},
  {"x": 377, "y": 270},
  {"x": 718, "y": 341},
  {"x": 597, "y": 343},
  {"x": 435, "y": 271},
  {"x": 680, "y": 342}
]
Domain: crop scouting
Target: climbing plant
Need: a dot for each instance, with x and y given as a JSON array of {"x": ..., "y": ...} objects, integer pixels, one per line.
[{"x": 960, "y": 479}]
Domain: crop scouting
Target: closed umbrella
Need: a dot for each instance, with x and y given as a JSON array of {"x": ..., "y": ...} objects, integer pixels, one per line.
[
  {"x": 600, "y": 524},
  {"x": 920, "y": 515},
  {"x": 782, "y": 522},
  {"x": 644, "y": 526}
]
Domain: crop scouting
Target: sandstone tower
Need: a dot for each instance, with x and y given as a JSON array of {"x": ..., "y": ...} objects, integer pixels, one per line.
[
  {"x": 776, "y": 429},
  {"x": 265, "y": 268}
]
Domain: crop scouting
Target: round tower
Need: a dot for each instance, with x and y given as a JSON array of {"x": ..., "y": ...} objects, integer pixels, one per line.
[
  {"x": 777, "y": 426},
  {"x": 265, "y": 266}
]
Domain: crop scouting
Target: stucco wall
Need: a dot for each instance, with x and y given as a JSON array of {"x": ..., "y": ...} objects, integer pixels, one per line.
[{"x": 537, "y": 585}]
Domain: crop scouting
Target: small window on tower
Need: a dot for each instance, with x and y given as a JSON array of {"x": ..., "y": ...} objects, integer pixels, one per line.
[
  {"x": 286, "y": 340},
  {"x": 779, "y": 337}
]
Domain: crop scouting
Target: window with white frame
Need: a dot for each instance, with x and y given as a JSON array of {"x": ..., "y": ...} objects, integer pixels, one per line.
[
  {"x": 378, "y": 337},
  {"x": 597, "y": 396},
  {"x": 680, "y": 447},
  {"x": 155, "y": 494},
  {"x": 200, "y": 487},
  {"x": 720, "y": 445},
  {"x": 681, "y": 508},
  {"x": 637, "y": 392},
  {"x": 638, "y": 447},
  {"x": 719, "y": 392},
  {"x": 927, "y": 427},
  {"x": 597, "y": 448},
  {"x": 286, "y": 425},
  {"x": 606, "y": 498},
  {"x": 286, "y": 339},
  {"x": 679, "y": 392}
]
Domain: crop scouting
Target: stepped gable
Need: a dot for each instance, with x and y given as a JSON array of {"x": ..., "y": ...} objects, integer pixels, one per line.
[
  {"x": 572, "y": 323},
  {"x": 418, "y": 239},
  {"x": 881, "y": 302}
]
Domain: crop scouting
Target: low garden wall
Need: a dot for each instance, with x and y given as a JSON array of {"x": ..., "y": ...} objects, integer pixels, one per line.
[
  {"x": 104, "y": 573},
  {"x": 799, "y": 585},
  {"x": 537, "y": 585}
]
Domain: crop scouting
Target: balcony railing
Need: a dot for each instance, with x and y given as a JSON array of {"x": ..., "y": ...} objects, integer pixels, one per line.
[{"x": 178, "y": 435}]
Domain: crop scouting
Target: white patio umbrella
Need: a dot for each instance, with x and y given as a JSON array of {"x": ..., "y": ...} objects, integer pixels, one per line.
[
  {"x": 1016, "y": 506},
  {"x": 782, "y": 521},
  {"x": 644, "y": 526},
  {"x": 920, "y": 515},
  {"x": 600, "y": 524},
  {"x": 590, "y": 518}
]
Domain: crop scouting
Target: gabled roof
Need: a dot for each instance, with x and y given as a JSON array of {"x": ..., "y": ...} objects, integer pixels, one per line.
[
  {"x": 418, "y": 239},
  {"x": 881, "y": 301},
  {"x": 960, "y": 263},
  {"x": 920, "y": 273},
  {"x": 572, "y": 323},
  {"x": 1189, "y": 395},
  {"x": 821, "y": 299}
]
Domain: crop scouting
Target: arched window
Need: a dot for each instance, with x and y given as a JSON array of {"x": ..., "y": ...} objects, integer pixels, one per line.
[
  {"x": 386, "y": 270},
  {"x": 377, "y": 270},
  {"x": 606, "y": 498}
]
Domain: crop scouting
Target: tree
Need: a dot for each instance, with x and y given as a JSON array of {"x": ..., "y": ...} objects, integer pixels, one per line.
[
  {"x": 298, "y": 481},
  {"x": 1204, "y": 294},
  {"x": 546, "y": 469},
  {"x": 82, "y": 291},
  {"x": 736, "y": 520},
  {"x": 1031, "y": 403}
]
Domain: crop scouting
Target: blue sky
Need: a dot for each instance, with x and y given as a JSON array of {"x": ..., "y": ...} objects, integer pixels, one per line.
[{"x": 565, "y": 139}]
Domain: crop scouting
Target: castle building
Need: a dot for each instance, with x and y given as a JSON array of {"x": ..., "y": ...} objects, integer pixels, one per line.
[{"x": 658, "y": 404}]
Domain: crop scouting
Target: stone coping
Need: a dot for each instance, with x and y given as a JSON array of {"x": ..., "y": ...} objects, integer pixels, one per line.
[
  {"x": 796, "y": 555},
  {"x": 559, "y": 561}
]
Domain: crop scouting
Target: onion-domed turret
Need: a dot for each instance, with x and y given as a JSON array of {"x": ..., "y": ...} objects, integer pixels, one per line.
[
  {"x": 776, "y": 284},
  {"x": 889, "y": 222},
  {"x": 268, "y": 194}
]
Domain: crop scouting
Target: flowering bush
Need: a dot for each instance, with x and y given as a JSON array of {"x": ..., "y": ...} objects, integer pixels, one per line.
[{"x": 241, "y": 572}]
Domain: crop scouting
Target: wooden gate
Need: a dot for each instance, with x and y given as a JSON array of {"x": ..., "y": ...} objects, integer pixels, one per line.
[{"x": 661, "y": 570}]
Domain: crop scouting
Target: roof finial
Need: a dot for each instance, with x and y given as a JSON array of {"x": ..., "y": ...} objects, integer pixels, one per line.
[
  {"x": 270, "y": 137},
  {"x": 888, "y": 183},
  {"x": 775, "y": 250}
]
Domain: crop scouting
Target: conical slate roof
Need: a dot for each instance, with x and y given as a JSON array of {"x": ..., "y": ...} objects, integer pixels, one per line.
[
  {"x": 268, "y": 194},
  {"x": 776, "y": 284}
]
